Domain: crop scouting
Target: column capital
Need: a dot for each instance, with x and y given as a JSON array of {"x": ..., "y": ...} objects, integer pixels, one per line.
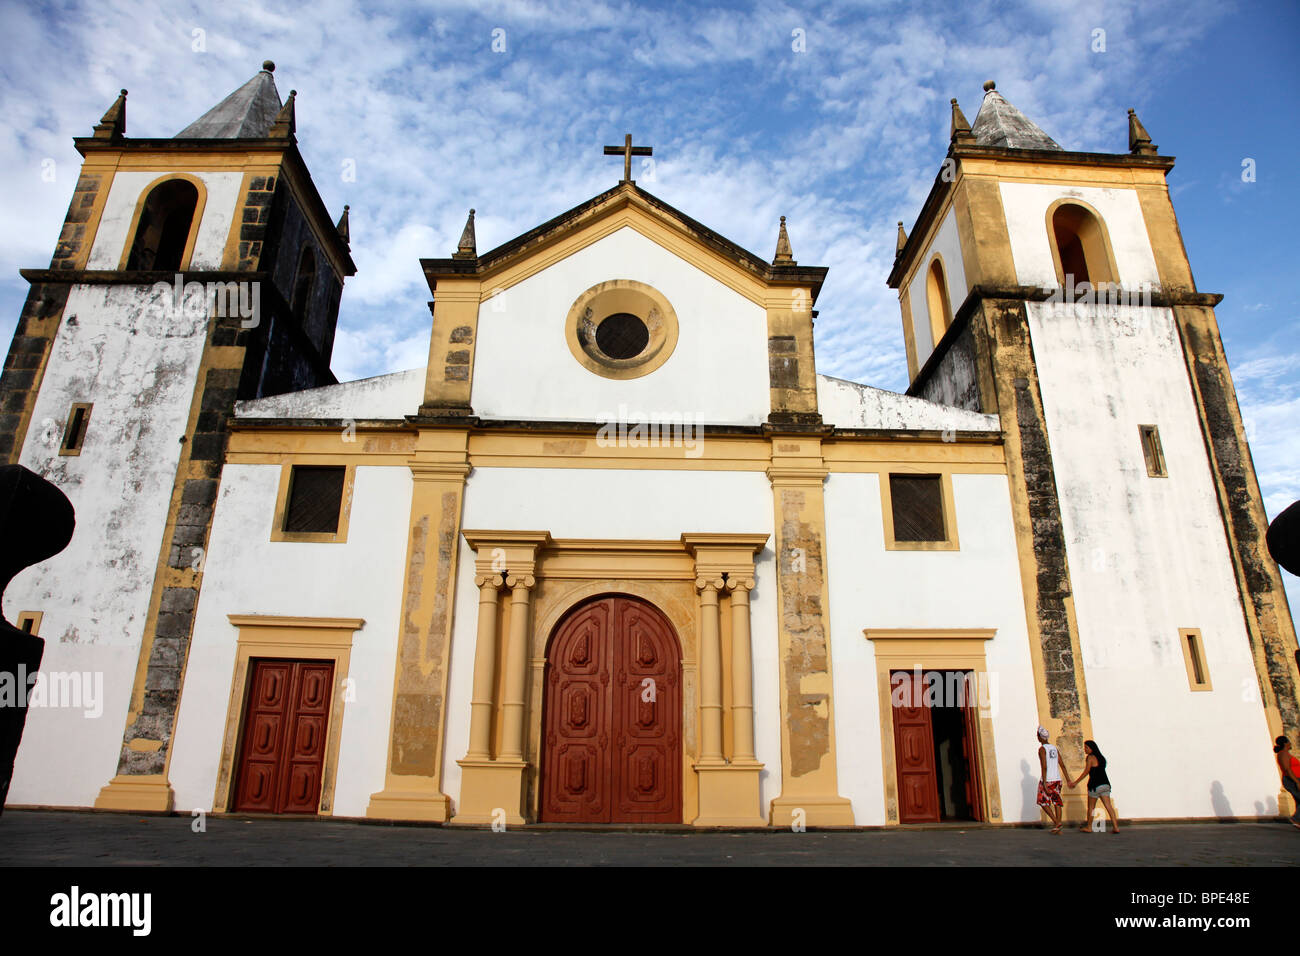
[
  {"x": 704, "y": 583},
  {"x": 740, "y": 583},
  {"x": 488, "y": 580},
  {"x": 524, "y": 581}
]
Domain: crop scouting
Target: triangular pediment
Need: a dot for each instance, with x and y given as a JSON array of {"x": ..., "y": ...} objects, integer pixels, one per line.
[{"x": 625, "y": 206}]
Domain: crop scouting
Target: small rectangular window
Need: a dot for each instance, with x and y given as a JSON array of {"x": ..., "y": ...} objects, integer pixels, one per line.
[
  {"x": 29, "y": 622},
  {"x": 917, "y": 504},
  {"x": 1152, "y": 452},
  {"x": 74, "y": 432},
  {"x": 1198, "y": 674},
  {"x": 315, "y": 498}
]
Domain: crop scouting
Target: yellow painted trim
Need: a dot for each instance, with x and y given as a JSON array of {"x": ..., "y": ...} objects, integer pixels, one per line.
[
  {"x": 64, "y": 448},
  {"x": 339, "y": 536},
  {"x": 34, "y": 617},
  {"x": 938, "y": 323},
  {"x": 933, "y": 649},
  {"x": 195, "y": 222},
  {"x": 909, "y": 334},
  {"x": 296, "y": 638},
  {"x": 625, "y": 209},
  {"x": 1108, "y": 252},
  {"x": 949, "y": 542},
  {"x": 1152, "y": 451},
  {"x": 621, "y": 295},
  {"x": 1184, "y": 633}
]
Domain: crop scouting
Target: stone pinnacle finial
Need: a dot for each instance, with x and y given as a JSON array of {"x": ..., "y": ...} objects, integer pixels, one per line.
[
  {"x": 902, "y": 239},
  {"x": 286, "y": 123},
  {"x": 1139, "y": 140},
  {"x": 960, "y": 132},
  {"x": 467, "y": 248},
  {"x": 113, "y": 124},
  {"x": 989, "y": 86},
  {"x": 784, "y": 254},
  {"x": 343, "y": 230},
  {"x": 268, "y": 66}
]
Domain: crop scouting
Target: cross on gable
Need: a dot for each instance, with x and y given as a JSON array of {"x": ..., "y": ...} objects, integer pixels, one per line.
[{"x": 628, "y": 151}]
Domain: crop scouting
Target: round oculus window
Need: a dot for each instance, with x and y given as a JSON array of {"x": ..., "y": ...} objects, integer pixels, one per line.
[{"x": 622, "y": 336}]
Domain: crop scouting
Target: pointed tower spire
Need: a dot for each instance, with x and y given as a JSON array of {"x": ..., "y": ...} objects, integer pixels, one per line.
[
  {"x": 113, "y": 125},
  {"x": 784, "y": 254},
  {"x": 960, "y": 127},
  {"x": 247, "y": 113},
  {"x": 1000, "y": 124},
  {"x": 344, "y": 233},
  {"x": 902, "y": 236},
  {"x": 285, "y": 124},
  {"x": 466, "y": 249},
  {"x": 1139, "y": 140}
]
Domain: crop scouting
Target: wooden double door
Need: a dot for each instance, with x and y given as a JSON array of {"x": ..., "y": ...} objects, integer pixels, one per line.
[
  {"x": 936, "y": 748},
  {"x": 283, "y": 746},
  {"x": 612, "y": 748}
]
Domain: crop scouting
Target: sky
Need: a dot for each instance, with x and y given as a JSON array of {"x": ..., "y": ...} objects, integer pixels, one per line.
[{"x": 833, "y": 114}]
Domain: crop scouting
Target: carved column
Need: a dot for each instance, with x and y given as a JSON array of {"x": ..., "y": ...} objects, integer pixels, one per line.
[
  {"x": 492, "y": 789},
  {"x": 729, "y": 789},
  {"x": 512, "y": 739},
  {"x": 485, "y": 651},
  {"x": 742, "y": 678},
  {"x": 710, "y": 671}
]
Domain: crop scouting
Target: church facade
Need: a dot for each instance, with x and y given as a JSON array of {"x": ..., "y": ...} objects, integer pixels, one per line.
[{"x": 618, "y": 553}]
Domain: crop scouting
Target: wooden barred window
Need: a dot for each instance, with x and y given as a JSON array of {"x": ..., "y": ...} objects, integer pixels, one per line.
[
  {"x": 917, "y": 503},
  {"x": 1152, "y": 452},
  {"x": 74, "y": 432},
  {"x": 315, "y": 499}
]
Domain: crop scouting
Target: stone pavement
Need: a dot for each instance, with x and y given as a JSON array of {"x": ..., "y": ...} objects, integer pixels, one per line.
[{"x": 71, "y": 838}]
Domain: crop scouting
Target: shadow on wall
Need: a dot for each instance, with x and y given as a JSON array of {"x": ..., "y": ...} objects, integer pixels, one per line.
[
  {"x": 1029, "y": 793},
  {"x": 1267, "y": 807},
  {"x": 1222, "y": 809}
]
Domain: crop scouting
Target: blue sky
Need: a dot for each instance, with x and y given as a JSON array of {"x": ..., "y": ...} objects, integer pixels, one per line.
[{"x": 844, "y": 137}]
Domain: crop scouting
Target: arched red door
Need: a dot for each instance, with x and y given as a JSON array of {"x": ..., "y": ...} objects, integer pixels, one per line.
[{"x": 612, "y": 750}]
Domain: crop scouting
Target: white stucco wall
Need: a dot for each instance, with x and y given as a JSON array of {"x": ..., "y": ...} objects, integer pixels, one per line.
[
  {"x": 1149, "y": 556},
  {"x": 571, "y": 503},
  {"x": 392, "y": 396},
  {"x": 947, "y": 244},
  {"x": 975, "y": 587},
  {"x": 111, "y": 238},
  {"x": 718, "y": 373},
  {"x": 850, "y": 405},
  {"x": 247, "y": 573},
  {"x": 1025, "y": 205},
  {"x": 137, "y": 365}
]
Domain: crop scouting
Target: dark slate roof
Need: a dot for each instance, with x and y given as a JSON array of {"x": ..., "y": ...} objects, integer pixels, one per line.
[
  {"x": 247, "y": 113},
  {"x": 998, "y": 123}
]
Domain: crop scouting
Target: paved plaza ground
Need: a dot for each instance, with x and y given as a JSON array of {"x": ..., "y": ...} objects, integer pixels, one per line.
[{"x": 69, "y": 838}]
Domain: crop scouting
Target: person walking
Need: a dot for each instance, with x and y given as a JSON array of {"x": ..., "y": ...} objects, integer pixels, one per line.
[
  {"x": 1050, "y": 767},
  {"x": 1290, "y": 769},
  {"x": 1098, "y": 785}
]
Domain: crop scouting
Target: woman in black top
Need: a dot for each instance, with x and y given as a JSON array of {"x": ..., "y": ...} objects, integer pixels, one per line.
[{"x": 1098, "y": 785}]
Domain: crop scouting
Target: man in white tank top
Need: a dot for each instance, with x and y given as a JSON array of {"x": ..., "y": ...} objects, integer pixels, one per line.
[{"x": 1049, "y": 780}]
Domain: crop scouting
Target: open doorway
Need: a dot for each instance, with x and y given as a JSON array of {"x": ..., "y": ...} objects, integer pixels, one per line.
[{"x": 937, "y": 746}]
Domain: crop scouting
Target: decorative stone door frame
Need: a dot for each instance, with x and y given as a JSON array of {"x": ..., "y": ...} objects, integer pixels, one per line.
[
  {"x": 930, "y": 649},
  {"x": 297, "y": 638},
  {"x": 546, "y": 578}
]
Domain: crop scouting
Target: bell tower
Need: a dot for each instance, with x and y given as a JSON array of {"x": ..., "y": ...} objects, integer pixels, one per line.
[
  {"x": 1051, "y": 287},
  {"x": 191, "y": 271}
]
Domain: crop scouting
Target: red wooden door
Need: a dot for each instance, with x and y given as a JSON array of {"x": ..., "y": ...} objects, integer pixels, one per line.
[
  {"x": 918, "y": 785},
  {"x": 971, "y": 749},
  {"x": 612, "y": 749},
  {"x": 283, "y": 750}
]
